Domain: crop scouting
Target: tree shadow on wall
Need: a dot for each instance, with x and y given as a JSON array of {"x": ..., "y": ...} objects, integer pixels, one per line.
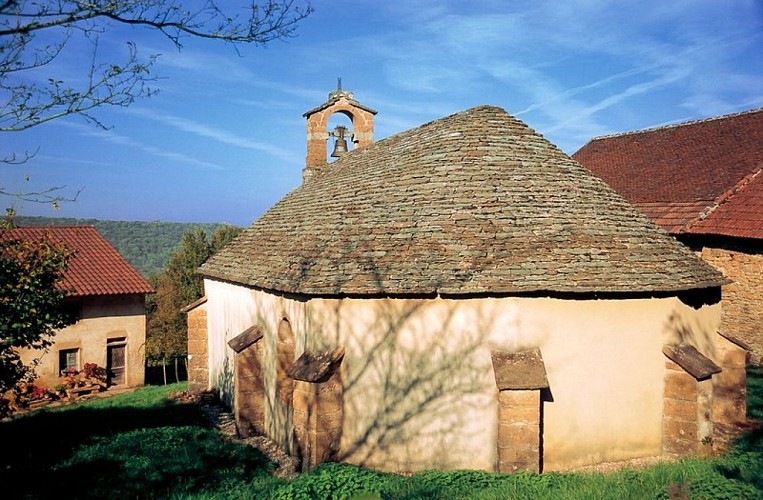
[
  {"x": 681, "y": 329},
  {"x": 414, "y": 373},
  {"x": 414, "y": 384},
  {"x": 226, "y": 381}
]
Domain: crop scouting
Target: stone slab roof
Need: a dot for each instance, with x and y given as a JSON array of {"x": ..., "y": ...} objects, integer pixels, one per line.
[
  {"x": 521, "y": 370},
  {"x": 474, "y": 203},
  {"x": 690, "y": 359},
  {"x": 246, "y": 338},
  {"x": 685, "y": 176},
  {"x": 96, "y": 267}
]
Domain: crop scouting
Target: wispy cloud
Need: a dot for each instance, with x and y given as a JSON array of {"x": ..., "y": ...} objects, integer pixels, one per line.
[
  {"x": 215, "y": 67},
  {"x": 122, "y": 140},
  {"x": 568, "y": 63},
  {"x": 216, "y": 134}
]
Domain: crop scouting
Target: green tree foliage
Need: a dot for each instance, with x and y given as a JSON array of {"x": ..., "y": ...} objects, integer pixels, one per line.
[
  {"x": 146, "y": 245},
  {"x": 30, "y": 296},
  {"x": 176, "y": 287}
]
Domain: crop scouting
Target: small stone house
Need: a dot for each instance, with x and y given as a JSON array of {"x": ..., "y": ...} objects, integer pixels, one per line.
[
  {"x": 108, "y": 299},
  {"x": 462, "y": 295},
  {"x": 702, "y": 182}
]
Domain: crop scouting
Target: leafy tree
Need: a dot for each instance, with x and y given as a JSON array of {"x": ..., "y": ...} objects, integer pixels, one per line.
[
  {"x": 146, "y": 245},
  {"x": 176, "y": 287},
  {"x": 34, "y": 33},
  {"x": 31, "y": 273}
]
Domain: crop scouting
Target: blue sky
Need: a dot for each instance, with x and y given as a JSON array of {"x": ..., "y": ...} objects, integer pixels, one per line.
[{"x": 225, "y": 137}]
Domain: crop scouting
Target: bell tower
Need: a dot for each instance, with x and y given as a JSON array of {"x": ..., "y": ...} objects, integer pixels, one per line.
[{"x": 362, "y": 133}]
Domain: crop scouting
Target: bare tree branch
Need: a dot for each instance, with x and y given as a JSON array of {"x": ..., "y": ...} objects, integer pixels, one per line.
[
  {"x": 26, "y": 100},
  {"x": 262, "y": 23},
  {"x": 28, "y": 104}
]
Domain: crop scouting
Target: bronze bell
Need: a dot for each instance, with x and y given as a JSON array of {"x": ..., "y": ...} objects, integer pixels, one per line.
[{"x": 340, "y": 147}]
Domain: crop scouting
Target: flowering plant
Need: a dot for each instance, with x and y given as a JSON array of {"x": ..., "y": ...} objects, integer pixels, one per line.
[
  {"x": 39, "y": 393},
  {"x": 90, "y": 374}
]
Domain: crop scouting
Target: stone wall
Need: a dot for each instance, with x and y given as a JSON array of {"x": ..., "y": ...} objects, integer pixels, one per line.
[
  {"x": 519, "y": 431},
  {"x": 449, "y": 342},
  {"x": 198, "y": 355},
  {"x": 680, "y": 420},
  {"x": 250, "y": 392},
  {"x": 687, "y": 420},
  {"x": 318, "y": 419},
  {"x": 743, "y": 299},
  {"x": 730, "y": 402}
]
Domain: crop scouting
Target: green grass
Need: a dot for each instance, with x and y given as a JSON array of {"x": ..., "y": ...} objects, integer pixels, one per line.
[
  {"x": 135, "y": 445},
  {"x": 141, "y": 445},
  {"x": 755, "y": 393}
]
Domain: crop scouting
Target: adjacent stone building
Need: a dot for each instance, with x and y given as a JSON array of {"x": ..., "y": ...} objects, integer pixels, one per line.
[
  {"x": 701, "y": 181},
  {"x": 464, "y": 295},
  {"x": 108, "y": 299}
]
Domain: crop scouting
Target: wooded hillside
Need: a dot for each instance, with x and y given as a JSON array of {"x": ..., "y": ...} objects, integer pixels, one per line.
[{"x": 145, "y": 245}]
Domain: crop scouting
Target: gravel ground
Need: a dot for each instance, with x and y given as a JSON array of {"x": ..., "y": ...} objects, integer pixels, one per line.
[{"x": 635, "y": 463}]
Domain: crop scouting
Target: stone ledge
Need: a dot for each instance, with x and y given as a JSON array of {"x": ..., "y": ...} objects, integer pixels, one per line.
[
  {"x": 519, "y": 370},
  {"x": 316, "y": 367},
  {"x": 690, "y": 359},
  {"x": 246, "y": 338}
]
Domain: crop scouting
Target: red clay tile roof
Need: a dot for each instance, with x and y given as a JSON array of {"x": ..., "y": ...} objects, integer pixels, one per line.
[
  {"x": 679, "y": 174},
  {"x": 672, "y": 217},
  {"x": 96, "y": 268},
  {"x": 738, "y": 213},
  {"x": 474, "y": 203}
]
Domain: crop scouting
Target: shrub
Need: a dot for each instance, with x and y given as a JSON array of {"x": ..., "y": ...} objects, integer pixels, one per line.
[
  {"x": 331, "y": 481},
  {"x": 90, "y": 374}
]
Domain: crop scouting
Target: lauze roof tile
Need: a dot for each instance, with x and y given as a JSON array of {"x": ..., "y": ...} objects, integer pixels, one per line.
[{"x": 474, "y": 203}]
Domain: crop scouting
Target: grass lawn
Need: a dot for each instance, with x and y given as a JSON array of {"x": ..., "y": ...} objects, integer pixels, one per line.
[{"x": 143, "y": 445}]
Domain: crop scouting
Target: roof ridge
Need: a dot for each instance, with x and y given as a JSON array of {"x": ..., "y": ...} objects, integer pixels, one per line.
[
  {"x": 675, "y": 125},
  {"x": 61, "y": 226},
  {"x": 724, "y": 198}
]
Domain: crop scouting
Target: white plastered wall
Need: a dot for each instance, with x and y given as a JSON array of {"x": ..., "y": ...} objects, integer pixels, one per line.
[{"x": 419, "y": 386}]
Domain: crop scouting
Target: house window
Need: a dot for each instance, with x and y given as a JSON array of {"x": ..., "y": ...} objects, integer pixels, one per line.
[{"x": 68, "y": 358}]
